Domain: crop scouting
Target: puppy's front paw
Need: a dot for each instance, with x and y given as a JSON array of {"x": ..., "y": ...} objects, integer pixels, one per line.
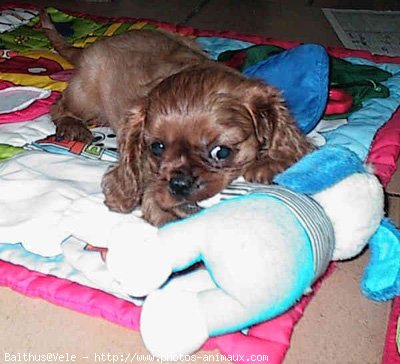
[
  {"x": 154, "y": 214},
  {"x": 73, "y": 129},
  {"x": 160, "y": 217},
  {"x": 259, "y": 172}
]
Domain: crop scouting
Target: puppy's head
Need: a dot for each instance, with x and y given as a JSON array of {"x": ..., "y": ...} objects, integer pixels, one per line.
[
  {"x": 199, "y": 130},
  {"x": 195, "y": 144}
]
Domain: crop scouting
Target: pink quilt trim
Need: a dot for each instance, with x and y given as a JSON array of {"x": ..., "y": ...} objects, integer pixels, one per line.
[
  {"x": 270, "y": 339},
  {"x": 38, "y": 108},
  {"x": 391, "y": 354},
  {"x": 65, "y": 293}
]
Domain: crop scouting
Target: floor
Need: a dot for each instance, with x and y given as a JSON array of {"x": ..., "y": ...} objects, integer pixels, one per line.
[{"x": 339, "y": 326}]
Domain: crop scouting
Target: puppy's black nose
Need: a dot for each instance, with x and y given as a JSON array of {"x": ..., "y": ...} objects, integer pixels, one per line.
[{"x": 181, "y": 185}]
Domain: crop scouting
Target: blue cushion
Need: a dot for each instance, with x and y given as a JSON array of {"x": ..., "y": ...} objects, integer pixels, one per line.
[{"x": 301, "y": 73}]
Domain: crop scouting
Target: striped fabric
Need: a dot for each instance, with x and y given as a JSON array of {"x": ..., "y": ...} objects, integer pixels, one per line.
[{"x": 310, "y": 214}]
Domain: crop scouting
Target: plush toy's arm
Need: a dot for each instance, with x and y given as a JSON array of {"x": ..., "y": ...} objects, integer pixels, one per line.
[
  {"x": 182, "y": 240},
  {"x": 139, "y": 265},
  {"x": 144, "y": 265}
]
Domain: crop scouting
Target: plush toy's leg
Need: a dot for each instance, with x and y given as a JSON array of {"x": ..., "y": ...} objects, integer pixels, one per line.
[
  {"x": 171, "y": 313},
  {"x": 172, "y": 323},
  {"x": 175, "y": 322},
  {"x": 223, "y": 313}
]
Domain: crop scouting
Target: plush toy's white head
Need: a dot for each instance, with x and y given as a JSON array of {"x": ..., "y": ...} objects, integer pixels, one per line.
[{"x": 356, "y": 208}]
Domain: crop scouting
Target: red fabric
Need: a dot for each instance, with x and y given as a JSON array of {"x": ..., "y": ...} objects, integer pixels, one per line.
[
  {"x": 339, "y": 102},
  {"x": 385, "y": 149}
]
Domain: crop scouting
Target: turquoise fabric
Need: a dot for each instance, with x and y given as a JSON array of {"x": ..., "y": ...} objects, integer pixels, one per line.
[
  {"x": 320, "y": 169},
  {"x": 381, "y": 278}
]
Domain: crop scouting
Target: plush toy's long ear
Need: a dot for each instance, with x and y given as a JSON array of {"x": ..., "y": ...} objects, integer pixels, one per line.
[
  {"x": 321, "y": 169},
  {"x": 281, "y": 141},
  {"x": 381, "y": 278},
  {"x": 122, "y": 184}
]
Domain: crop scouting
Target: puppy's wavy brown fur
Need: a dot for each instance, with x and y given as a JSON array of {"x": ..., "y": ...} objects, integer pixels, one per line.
[
  {"x": 113, "y": 73},
  {"x": 155, "y": 88}
]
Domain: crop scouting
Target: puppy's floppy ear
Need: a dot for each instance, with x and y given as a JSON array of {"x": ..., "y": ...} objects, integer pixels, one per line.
[
  {"x": 122, "y": 183},
  {"x": 281, "y": 143}
]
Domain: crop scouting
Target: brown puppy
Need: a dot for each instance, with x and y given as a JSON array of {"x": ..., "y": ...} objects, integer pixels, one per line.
[{"x": 186, "y": 126}]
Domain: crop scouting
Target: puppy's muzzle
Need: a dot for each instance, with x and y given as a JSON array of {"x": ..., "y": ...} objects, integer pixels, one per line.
[{"x": 181, "y": 185}]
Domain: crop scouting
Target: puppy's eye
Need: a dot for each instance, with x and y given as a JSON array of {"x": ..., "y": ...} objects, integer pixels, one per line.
[
  {"x": 157, "y": 148},
  {"x": 220, "y": 152}
]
